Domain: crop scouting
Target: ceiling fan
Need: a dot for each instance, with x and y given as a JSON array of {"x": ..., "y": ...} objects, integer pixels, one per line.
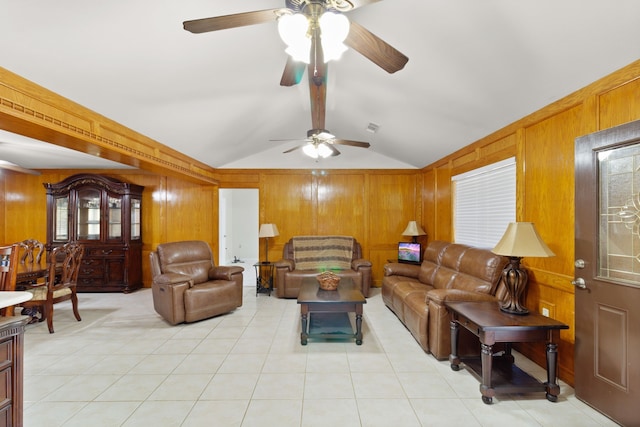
[
  {"x": 358, "y": 38},
  {"x": 319, "y": 140},
  {"x": 320, "y": 143}
]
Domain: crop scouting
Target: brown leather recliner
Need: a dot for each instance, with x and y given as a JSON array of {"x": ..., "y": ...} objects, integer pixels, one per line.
[
  {"x": 288, "y": 278},
  {"x": 188, "y": 286}
]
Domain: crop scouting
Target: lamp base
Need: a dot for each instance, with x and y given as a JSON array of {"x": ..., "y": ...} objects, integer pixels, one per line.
[
  {"x": 515, "y": 280},
  {"x": 520, "y": 312}
]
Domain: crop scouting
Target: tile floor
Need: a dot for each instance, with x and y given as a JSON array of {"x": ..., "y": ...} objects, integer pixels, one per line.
[{"x": 124, "y": 366}]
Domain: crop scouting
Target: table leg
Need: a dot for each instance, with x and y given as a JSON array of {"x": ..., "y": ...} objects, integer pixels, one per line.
[
  {"x": 553, "y": 389},
  {"x": 304, "y": 314},
  {"x": 358, "y": 324},
  {"x": 486, "y": 357},
  {"x": 453, "y": 357}
]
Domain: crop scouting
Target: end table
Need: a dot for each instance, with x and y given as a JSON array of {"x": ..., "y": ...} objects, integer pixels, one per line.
[
  {"x": 498, "y": 373},
  {"x": 264, "y": 277}
]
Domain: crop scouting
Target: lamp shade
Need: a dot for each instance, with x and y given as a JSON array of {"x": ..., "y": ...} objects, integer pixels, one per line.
[
  {"x": 413, "y": 229},
  {"x": 522, "y": 240},
  {"x": 268, "y": 230}
]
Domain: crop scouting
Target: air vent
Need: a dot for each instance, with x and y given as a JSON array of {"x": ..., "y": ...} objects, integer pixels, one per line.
[{"x": 372, "y": 127}]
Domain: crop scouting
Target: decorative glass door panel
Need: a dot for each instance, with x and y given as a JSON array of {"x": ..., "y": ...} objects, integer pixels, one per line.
[
  {"x": 607, "y": 271},
  {"x": 61, "y": 219},
  {"x": 135, "y": 219},
  {"x": 115, "y": 218},
  {"x": 88, "y": 214},
  {"x": 619, "y": 215}
]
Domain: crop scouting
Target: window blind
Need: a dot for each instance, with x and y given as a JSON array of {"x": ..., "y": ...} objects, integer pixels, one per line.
[{"x": 484, "y": 203}]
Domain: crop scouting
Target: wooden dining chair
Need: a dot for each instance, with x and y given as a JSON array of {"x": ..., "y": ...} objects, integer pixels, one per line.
[
  {"x": 8, "y": 271},
  {"x": 64, "y": 266},
  {"x": 31, "y": 251}
]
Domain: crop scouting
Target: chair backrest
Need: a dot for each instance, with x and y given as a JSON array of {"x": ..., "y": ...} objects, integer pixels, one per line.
[
  {"x": 193, "y": 258},
  {"x": 32, "y": 251},
  {"x": 65, "y": 261},
  {"x": 8, "y": 272},
  {"x": 8, "y": 267}
]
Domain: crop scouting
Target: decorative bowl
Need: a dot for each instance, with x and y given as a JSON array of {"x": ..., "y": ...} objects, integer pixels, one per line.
[{"x": 328, "y": 281}]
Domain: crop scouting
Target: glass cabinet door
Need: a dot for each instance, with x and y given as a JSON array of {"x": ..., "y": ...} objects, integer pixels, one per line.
[
  {"x": 61, "y": 219},
  {"x": 88, "y": 214},
  {"x": 115, "y": 218},
  {"x": 135, "y": 219}
]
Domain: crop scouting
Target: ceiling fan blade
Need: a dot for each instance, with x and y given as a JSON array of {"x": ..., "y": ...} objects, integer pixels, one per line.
[
  {"x": 375, "y": 49},
  {"x": 334, "y": 150},
  {"x": 293, "y": 72},
  {"x": 351, "y": 143},
  {"x": 318, "y": 95},
  {"x": 317, "y": 73},
  {"x": 290, "y": 140},
  {"x": 359, "y": 3},
  {"x": 294, "y": 148},
  {"x": 216, "y": 23}
]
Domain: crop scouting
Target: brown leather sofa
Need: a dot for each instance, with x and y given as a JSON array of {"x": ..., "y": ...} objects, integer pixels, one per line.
[
  {"x": 288, "y": 279},
  {"x": 449, "y": 272},
  {"x": 187, "y": 286}
]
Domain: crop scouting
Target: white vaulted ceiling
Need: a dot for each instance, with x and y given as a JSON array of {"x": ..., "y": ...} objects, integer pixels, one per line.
[{"x": 474, "y": 67}]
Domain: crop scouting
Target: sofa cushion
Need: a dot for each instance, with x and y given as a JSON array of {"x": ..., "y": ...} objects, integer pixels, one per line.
[
  {"x": 482, "y": 265},
  {"x": 428, "y": 271}
]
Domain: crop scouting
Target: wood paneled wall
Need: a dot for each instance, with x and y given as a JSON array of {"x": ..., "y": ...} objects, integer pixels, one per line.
[
  {"x": 172, "y": 209},
  {"x": 374, "y": 206},
  {"x": 543, "y": 144}
]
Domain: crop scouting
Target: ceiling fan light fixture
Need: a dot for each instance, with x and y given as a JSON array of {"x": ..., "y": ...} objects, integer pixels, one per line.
[
  {"x": 324, "y": 151},
  {"x": 310, "y": 150},
  {"x": 334, "y": 29},
  {"x": 315, "y": 150},
  {"x": 294, "y": 31},
  {"x": 323, "y": 134}
]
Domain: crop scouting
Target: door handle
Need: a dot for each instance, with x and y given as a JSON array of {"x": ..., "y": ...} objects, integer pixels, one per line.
[{"x": 579, "y": 283}]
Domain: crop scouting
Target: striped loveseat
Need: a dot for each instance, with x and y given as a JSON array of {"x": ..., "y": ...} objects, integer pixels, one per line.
[{"x": 308, "y": 256}]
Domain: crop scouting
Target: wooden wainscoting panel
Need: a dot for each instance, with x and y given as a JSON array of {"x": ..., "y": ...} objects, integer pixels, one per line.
[
  {"x": 341, "y": 202},
  {"x": 393, "y": 202},
  {"x": 620, "y": 105},
  {"x": 287, "y": 200},
  {"x": 549, "y": 189}
]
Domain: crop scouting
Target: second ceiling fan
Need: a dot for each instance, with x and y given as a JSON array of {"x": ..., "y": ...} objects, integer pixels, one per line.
[{"x": 319, "y": 140}]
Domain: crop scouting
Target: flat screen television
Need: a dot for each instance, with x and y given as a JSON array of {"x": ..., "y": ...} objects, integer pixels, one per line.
[{"x": 409, "y": 252}]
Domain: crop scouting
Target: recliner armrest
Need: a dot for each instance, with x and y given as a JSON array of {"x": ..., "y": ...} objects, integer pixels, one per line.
[
  {"x": 172, "y": 279},
  {"x": 287, "y": 264},
  {"x": 400, "y": 269},
  {"x": 440, "y": 296},
  {"x": 224, "y": 272},
  {"x": 357, "y": 264}
]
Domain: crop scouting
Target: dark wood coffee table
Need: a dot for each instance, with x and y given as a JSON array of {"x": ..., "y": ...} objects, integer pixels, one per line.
[
  {"x": 498, "y": 373},
  {"x": 325, "y": 314}
]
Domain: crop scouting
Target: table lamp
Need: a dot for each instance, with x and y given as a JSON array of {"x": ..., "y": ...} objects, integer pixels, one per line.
[
  {"x": 266, "y": 231},
  {"x": 521, "y": 239},
  {"x": 413, "y": 230}
]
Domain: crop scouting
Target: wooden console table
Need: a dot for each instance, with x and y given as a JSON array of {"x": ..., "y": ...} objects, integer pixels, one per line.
[{"x": 498, "y": 373}]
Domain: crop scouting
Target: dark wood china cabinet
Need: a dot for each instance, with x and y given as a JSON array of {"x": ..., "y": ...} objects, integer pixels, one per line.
[{"x": 104, "y": 215}]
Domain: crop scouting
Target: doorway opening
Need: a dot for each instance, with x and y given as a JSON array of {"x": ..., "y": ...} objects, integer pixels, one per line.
[{"x": 238, "y": 225}]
